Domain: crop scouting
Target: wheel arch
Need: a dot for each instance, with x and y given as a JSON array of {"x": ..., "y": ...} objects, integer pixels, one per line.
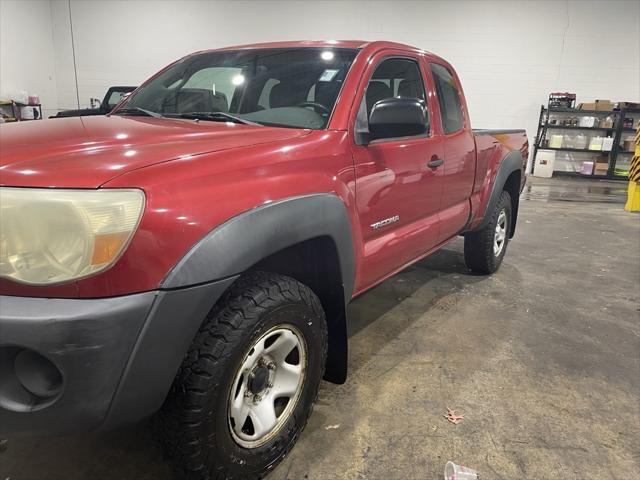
[
  {"x": 512, "y": 187},
  {"x": 315, "y": 263},
  {"x": 508, "y": 178},
  {"x": 307, "y": 238}
]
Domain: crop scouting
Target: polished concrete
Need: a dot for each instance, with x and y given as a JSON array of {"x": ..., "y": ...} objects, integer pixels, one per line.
[{"x": 542, "y": 359}]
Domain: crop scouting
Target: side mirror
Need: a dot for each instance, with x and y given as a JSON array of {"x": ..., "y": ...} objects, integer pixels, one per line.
[{"x": 397, "y": 117}]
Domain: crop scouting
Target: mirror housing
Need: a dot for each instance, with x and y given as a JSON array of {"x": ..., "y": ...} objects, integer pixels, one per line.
[{"x": 397, "y": 117}]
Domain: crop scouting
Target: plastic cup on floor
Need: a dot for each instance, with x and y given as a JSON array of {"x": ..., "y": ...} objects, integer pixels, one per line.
[{"x": 453, "y": 471}]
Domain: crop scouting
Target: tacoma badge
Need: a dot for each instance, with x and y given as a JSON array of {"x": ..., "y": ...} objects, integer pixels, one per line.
[{"x": 385, "y": 222}]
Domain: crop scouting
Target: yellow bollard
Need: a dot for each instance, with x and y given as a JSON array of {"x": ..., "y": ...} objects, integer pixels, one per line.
[{"x": 633, "y": 192}]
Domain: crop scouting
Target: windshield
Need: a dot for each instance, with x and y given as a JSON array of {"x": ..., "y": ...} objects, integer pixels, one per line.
[{"x": 287, "y": 87}]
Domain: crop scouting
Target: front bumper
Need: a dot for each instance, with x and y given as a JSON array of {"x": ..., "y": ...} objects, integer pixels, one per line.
[{"x": 68, "y": 365}]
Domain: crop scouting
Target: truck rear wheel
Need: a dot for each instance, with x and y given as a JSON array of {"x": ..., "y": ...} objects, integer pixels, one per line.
[
  {"x": 249, "y": 381},
  {"x": 484, "y": 249}
]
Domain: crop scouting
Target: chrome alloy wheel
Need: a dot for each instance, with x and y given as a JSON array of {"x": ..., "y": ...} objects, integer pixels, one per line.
[
  {"x": 500, "y": 234},
  {"x": 267, "y": 386}
]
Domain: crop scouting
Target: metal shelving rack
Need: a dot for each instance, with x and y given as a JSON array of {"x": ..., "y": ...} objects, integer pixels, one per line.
[
  {"x": 615, "y": 131},
  {"x": 16, "y": 110}
]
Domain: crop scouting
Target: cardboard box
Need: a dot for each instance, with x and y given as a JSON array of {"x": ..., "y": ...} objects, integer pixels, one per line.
[
  {"x": 605, "y": 105},
  {"x": 602, "y": 105},
  {"x": 606, "y": 122},
  {"x": 600, "y": 165},
  {"x": 628, "y": 105}
]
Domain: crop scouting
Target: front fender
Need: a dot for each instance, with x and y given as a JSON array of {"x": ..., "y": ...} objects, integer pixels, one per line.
[
  {"x": 244, "y": 240},
  {"x": 202, "y": 276}
]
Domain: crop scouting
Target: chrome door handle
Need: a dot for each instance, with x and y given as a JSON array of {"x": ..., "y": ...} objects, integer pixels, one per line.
[{"x": 435, "y": 162}]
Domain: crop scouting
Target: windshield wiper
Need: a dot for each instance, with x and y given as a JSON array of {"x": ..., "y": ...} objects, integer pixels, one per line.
[
  {"x": 215, "y": 117},
  {"x": 138, "y": 111}
]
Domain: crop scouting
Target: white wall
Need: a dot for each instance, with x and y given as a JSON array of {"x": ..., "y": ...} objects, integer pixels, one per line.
[
  {"x": 67, "y": 94},
  {"x": 26, "y": 51},
  {"x": 509, "y": 54}
]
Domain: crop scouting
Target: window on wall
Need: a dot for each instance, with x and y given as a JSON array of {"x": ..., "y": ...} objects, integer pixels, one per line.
[{"x": 448, "y": 99}]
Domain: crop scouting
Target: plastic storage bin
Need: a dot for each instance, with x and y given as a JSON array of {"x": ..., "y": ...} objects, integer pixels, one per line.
[
  {"x": 556, "y": 141},
  {"x": 595, "y": 143},
  {"x": 580, "y": 141},
  {"x": 544, "y": 163}
]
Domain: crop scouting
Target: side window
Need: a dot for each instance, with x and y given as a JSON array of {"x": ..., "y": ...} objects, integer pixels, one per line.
[
  {"x": 395, "y": 77},
  {"x": 448, "y": 99}
]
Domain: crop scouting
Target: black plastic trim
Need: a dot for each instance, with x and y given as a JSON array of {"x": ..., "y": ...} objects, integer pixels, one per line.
[
  {"x": 165, "y": 338},
  {"x": 117, "y": 356},
  {"x": 398, "y": 117},
  {"x": 512, "y": 162},
  {"x": 88, "y": 341},
  {"x": 489, "y": 131},
  {"x": 244, "y": 240}
]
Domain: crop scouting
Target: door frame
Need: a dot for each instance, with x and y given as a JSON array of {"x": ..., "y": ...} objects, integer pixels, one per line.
[{"x": 434, "y": 135}]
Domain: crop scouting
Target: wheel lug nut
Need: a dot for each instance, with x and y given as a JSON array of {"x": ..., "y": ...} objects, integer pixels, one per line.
[
  {"x": 248, "y": 394},
  {"x": 270, "y": 384},
  {"x": 271, "y": 366},
  {"x": 257, "y": 398},
  {"x": 252, "y": 376}
]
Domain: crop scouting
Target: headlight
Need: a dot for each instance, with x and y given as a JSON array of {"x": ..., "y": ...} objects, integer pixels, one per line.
[{"x": 51, "y": 236}]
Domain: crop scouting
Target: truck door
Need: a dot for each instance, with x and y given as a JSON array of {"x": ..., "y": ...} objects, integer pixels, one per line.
[
  {"x": 397, "y": 192},
  {"x": 459, "y": 152}
]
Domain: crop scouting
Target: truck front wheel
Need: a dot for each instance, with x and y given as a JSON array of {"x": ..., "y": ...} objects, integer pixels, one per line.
[
  {"x": 484, "y": 249},
  {"x": 249, "y": 381}
]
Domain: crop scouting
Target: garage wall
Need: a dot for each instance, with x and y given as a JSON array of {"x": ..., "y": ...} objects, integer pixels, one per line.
[
  {"x": 26, "y": 51},
  {"x": 510, "y": 55},
  {"x": 68, "y": 96}
]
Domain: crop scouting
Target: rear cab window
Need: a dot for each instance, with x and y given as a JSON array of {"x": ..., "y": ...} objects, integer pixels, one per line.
[{"x": 448, "y": 99}]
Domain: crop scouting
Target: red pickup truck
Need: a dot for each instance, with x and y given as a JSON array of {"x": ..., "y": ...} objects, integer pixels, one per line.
[{"x": 193, "y": 252}]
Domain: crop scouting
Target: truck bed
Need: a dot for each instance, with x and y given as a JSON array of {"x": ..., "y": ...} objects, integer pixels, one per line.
[{"x": 492, "y": 145}]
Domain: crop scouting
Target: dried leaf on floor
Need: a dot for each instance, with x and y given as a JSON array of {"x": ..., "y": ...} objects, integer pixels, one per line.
[{"x": 453, "y": 417}]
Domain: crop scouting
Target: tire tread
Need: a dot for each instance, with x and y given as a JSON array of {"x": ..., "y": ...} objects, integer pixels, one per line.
[
  {"x": 177, "y": 425},
  {"x": 478, "y": 245}
]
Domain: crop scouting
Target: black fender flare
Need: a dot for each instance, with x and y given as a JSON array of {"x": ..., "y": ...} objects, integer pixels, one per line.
[
  {"x": 202, "y": 276},
  {"x": 242, "y": 241},
  {"x": 235, "y": 246},
  {"x": 512, "y": 162}
]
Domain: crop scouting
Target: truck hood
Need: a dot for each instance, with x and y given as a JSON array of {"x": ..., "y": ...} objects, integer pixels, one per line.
[{"x": 86, "y": 152}]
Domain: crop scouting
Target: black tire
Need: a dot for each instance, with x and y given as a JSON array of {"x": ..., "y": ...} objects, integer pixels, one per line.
[
  {"x": 479, "y": 245},
  {"x": 194, "y": 423}
]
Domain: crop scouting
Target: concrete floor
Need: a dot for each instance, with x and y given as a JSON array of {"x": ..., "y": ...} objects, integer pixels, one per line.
[{"x": 543, "y": 360}]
